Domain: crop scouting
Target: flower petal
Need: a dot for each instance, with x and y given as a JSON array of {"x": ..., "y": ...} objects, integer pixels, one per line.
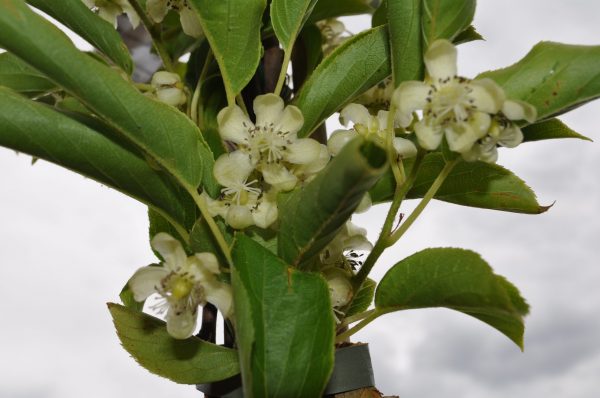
[
  {"x": 170, "y": 250},
  {"x": 429, "y": 136},
  {"x": 265, "y": 214},
  {"x": 219, "y": 294},
  {"x": 146, "y": 281},
  {"x": 440, "y": 60},
  {"x": 234, "y": 125},
  {"x": 488, "y": 96},
  {"x": 338, "y": 139},
  {"x": 232, "y": 169},
  {"x": 157, "y": 9},
  {"x": 163, "y": 78},
  {"x": 190, "y": 23},
  {"x": 407, "y": 98},
  {"x": 511, "y": 136},
  {"x": 303, "y": 151},
  {"x": 268, "y": 109},
  {"x": 208, "y": 261},
  {"x": 171, "y": 96},
  {"x": 181, "y": 322},
  {"x": 488, "y": 152},
  {"x": 239, "y": 217},
  {"x": 404, "y": 148},
  {"x": 519, "y": 110},
  {"x": 357, "y": 114},
  {"x": 290, "y": 120},
  {"x": 279, "y": 176},
  {"x": 316, "y": 166}
]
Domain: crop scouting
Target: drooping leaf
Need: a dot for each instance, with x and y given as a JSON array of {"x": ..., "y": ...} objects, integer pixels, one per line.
[
  {"x": 550, "y": 129},
  {"x": 163, "y": 133},
  {"x": 363, "y": 298},
  {"x": 336, "y": 8},
  {"x": 357, "y": 65},
  {"x": 37, "y": 130},
  {"x": 311, "y": 216},
  {"x": 232, "y": 28},
  {"x": 467, "y": 35},
  {"x": 553, "y": 77},
  {"x": 189, "y": 361},
  {"x": 17, "y": 75},
  {"x": 456, "y": 279},
  {"x": 285, "y": 325},
  {"x": 287, "y": 17},
  {"x": 446, "y": 19},
  {"x": 404, "y": 25},
  {"x": 474, "y": 184},
  {"x": 75, "y": 15}
]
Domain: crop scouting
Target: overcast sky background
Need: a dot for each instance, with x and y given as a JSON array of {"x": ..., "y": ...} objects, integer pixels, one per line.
[{"x": 67, "y": 245}]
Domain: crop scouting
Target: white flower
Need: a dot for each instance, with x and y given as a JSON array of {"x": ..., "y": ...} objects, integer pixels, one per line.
[
  {"x": 190, "y": 21},
  {"x": 340, "y": 287},
  {"x": 379, "y": 96},
  {"x": 183, "y": 284},
  {"x": 350, "y": 238},
  {"x": 332, "y": 31},
  {"x": 272, "y": 142},
  {"x": 109, "y": 10},
  {"x": 243, "y": 202},
  {"x": 168, "y": 88},
  {"x": 374, "y": 128},
  {"x": 453, "y": 106},
  {"x": 503, "y": 132}
]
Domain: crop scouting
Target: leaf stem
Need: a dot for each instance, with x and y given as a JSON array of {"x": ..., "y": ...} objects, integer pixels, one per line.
[
  {"x": 346, "y": 335},
  {"x": 396, "y": 235},
  {"x": 196, "y": 96},
  {"x": 214, "y": 228},
  {"x": 154, "y": 32},
  {"x": 355, "y": 318},
  {"x": 283, "y": 72}
]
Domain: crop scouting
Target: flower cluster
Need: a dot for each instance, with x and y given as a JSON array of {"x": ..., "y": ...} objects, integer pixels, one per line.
[
  {"x": 268, "y": 158},
  {"x": 332, "y": 33},
  {"x": 183, "y": 283},
  {"x": 190, "y": 23},
  {"x": 109, "y": 10},
  {"x": 168, "y": 88},
  {"x": 473, "y": 116}
]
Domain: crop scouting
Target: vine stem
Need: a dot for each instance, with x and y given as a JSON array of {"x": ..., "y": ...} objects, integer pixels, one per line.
[
  {"x": 155, "y": 34},
  {"x": 282, "y": 74},
  {"x": 214, "y": 228}
]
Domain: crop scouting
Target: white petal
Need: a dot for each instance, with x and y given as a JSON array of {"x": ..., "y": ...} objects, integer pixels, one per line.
[
  {"x": 209, "y": 262},
  {"x": 409, "y": 97},
  {"x": 170, "y": 250},
  {"x": 429, "y": 137},
  {"x": 190, "y": 23},
  {"x": 382, "y": 120},
  {"x": 163, "y": 78},
  {"x": 157, "y": 9},
  {"x": 488, "y": 152},
  {"x": 404, "y": 148},
  {"x": 303, "y": 151},
  {"x": 318, "y": 165},
  {"x": 487, "y": 95},
  {"x": 268, "y": 109},
  {"x": 340, "y": 289},
  {"x": 145, "y": 281},
  {"x": 219, "y": 294},
  {"x": 171, "y": 96},
  {"x": 239, "y": 217},
  {"x": 181, "y": 324},
  {"x": 265, "y": 214},
  {"x": 472, "y": 154},
  {"x": 338, "y": 139},
  {"x": 110, "y": 13},
  {"x": 357, "y": 114},
  {"x": 519, "y": 110},
  {"x": 131, "y": 14},
  {"x": 279, "y": 176},
  {"x": 440, "y": 60},
  {"x": 232, "y": 169},
  {"x": 290, "y": 120},
  {"x": 462, "y": 137},
  {"x": 511, "y": 137},
  {"x": 215, "y": 207},
  {"x": 234, "y": 124}
]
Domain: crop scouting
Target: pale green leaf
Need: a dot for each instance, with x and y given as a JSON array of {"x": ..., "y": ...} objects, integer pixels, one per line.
[
  {"x": 446, "y": 19},
  {"x": 363, "y": 298},
  {"x": 548, "y": 130},
  {"x": 17, "y": 75},
  {"x": 404, "y": 24},
  {"x": 287, "y": 17}
]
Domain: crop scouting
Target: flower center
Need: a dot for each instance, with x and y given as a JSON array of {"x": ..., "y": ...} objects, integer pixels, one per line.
[
  {"x": 269, "y": 143},
  {"x": 180, "y": 287},
  {"x": 450, "y": 101}
]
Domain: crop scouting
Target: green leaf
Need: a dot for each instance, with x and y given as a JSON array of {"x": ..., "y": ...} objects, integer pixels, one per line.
[
  {"x": 287, "y": 17},
  {"x": 203, "y": 240},
  {"x": 473, "y": 184},
  {"x": 284, "y": 324},
  {"x": 467, "y": 35},
  {"x": 232, "y": 28},
  {"x": 553, "y": 77},
  {"x": 404, "y": 25},
  {"x": 336, "y": 8},
  {"x": 380, "y": 15},
  {"x": 307, "y": 54},
  {"x": 363, "y": 298},
  {"x": 550, "y": 129},
  {"x": 189, "y": 361},
  {"x": 128, "y": 301},
  {"x": 456, "y": 279},
  {"x": 75, "y": 15},
  {"x": 357, "y": 65},
  {"x": 163, "y": 133},
  {"x": 446, "y": 19},
  {"x": 310, "y": 217},
  {"x": 17, "y": 75},
  {"x": 36, "y": 129}
]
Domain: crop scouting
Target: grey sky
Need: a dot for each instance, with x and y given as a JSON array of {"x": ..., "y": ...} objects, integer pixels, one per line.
[{"x": 68, "y": 244}]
